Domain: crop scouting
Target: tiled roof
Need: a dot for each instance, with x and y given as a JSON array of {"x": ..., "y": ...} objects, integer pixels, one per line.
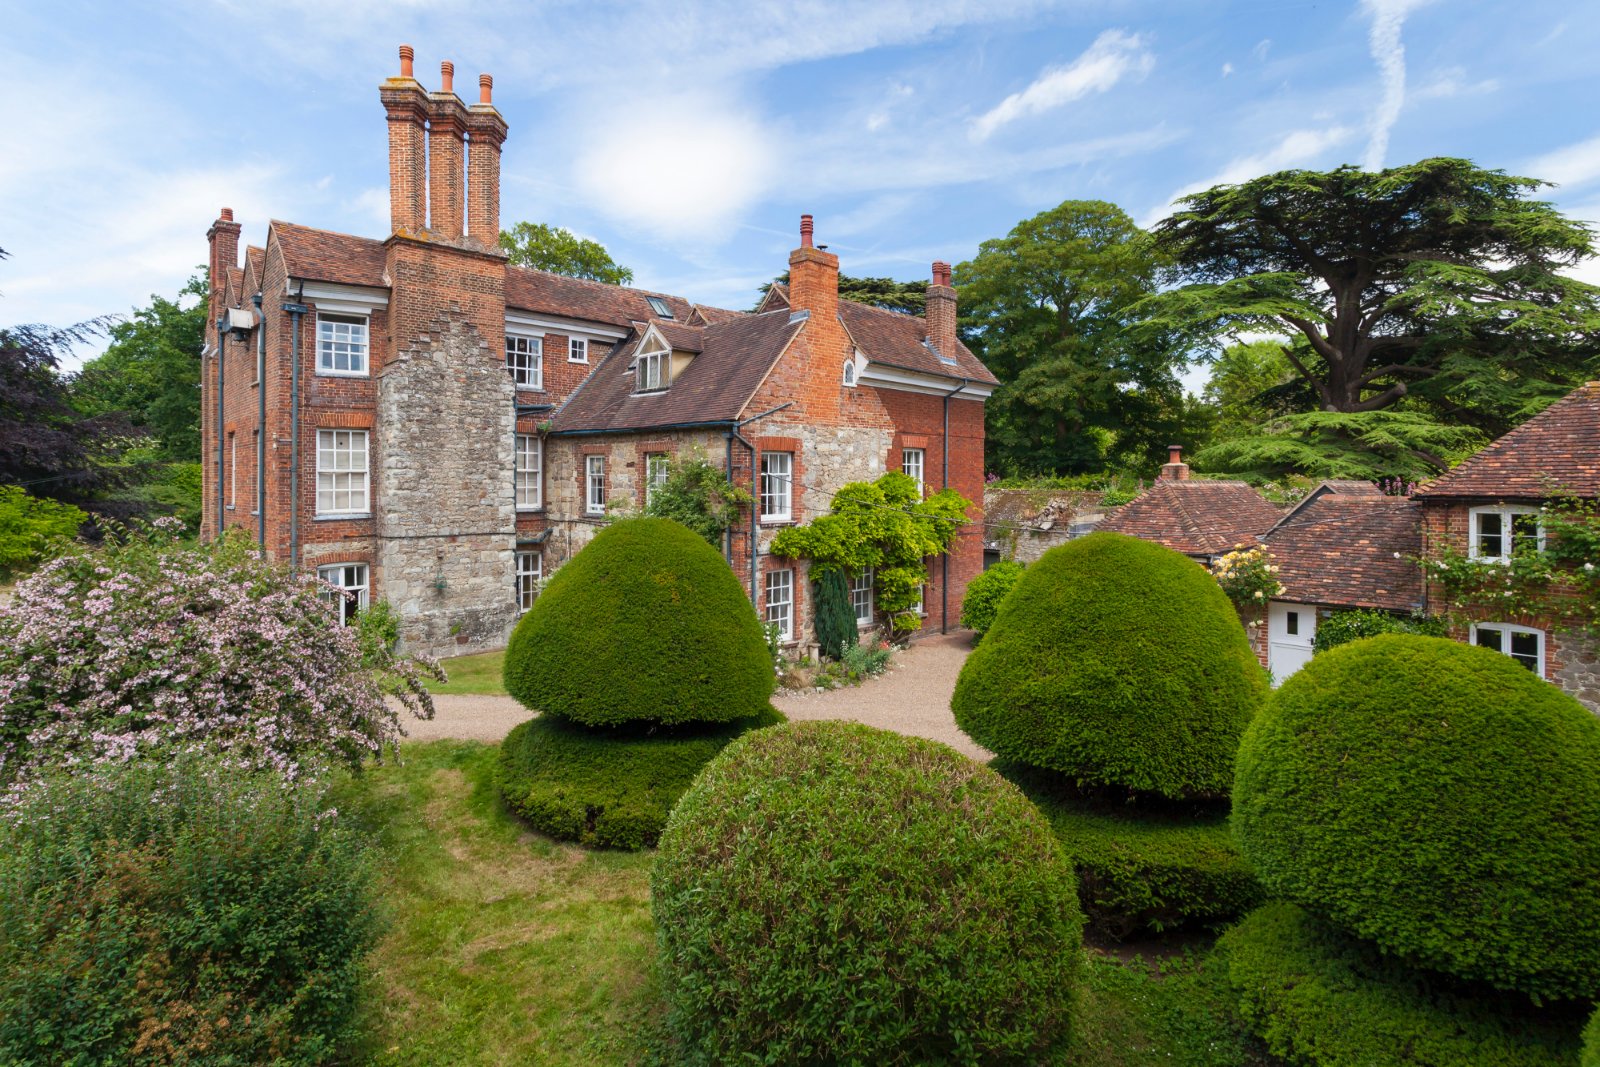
[
  {"x": 682, "y": 338},
  {"x": 1353, "y": 549},
  {"x": 1556, "y": 452},
  {"x": 1195, "y": 516},
  {"x": 325, "y": 256},
  {"x": 715, "y": 387},
  {"x": 578, "y": 298},
  {"x": 710, "y": 316}
]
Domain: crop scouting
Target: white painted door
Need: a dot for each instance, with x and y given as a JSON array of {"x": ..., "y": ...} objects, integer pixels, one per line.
[{"x": 1290, "y": 628}]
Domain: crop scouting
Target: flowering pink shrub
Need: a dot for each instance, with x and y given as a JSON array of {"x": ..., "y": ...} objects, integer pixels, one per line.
[{"x": 153, "y": 647}]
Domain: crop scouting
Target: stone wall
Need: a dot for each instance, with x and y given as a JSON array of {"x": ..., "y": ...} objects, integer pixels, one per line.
[
  {"x": 1576, "y": 666},
  {"x": 443, "y": 465}
]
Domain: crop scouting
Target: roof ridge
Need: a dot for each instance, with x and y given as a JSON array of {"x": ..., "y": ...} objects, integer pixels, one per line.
[{"x": 604, "y": 285}]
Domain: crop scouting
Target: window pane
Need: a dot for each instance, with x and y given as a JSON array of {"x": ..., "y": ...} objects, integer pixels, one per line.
[
  {"x": 1292, "y": 624},
  {"x": 1488, "y": 638},
  {"x": 1490, "y": 542},
  {"x": 1525, "y": 533},
  {"x": 1525, "y": 648}
]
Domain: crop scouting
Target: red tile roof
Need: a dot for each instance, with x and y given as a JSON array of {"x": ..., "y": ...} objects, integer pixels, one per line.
[
  {"x": 703, "y": 315},
  {"x": 896, "y": 340},
  {"x": 715, "y": 387},
  {"x": 325, "y": 256},
  {"x": 578, "y": 298},
  {"x": 1555, "y": 453},
  {"x": 1195, "y": 516},
  {"x": 1354, "y": 549}
]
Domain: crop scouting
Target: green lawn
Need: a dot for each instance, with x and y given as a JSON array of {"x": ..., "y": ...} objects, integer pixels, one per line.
[
  {"x": 472, "y": 675},
  {"x": 507, "y": 948}
]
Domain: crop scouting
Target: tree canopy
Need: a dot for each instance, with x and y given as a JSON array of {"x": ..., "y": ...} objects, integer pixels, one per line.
[
  {"x": 560, "y": 251},
  {"x": 909, "y": 298}
]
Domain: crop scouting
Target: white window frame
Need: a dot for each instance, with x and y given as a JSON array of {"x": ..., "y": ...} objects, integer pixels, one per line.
[
  {"x": 355, "y": 344},
  {"x": 351, "y": 582},
  {"x": 1506, "y": 631},
  {"x": 780, "y": 602},
  {"x": 594, "y": 485},
  {"x": 233, "y": 469},
  {"x": 530, "y": 571},
  {"x": 861, "y": 598},
  {"x": 657, "y": 468},
  {"x": 922, "y": 599},
  {"x": 777, "y": 486},
  {"x": 1507, "y": 515},
  {"x": 334, "y": 478},
  {"x": 649, "y": 372},
  {"x": 528, "y": 472},
  {"x": 525, "y": 361},
  {"x": 913, "y": 461},
  {"x": 577, "y": 350},
  {"x": 850, "y": 373}
]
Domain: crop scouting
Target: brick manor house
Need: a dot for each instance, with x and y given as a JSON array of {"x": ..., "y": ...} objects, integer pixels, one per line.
[{"x": 420, "y": 421}]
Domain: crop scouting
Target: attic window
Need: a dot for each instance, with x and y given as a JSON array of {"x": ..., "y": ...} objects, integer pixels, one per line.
[
  {"x": 659, "y": 306},
  {"x": 650, "y": 366}
]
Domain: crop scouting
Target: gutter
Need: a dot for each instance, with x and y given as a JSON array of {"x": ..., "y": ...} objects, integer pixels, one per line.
[
  {"x": 261, "y": 426},
  {"x": 944, "y": 449},
  {"x": 664, "y": 426},
  {"x": 755, "y": 491},
  {"x": 222, "y": 341}
]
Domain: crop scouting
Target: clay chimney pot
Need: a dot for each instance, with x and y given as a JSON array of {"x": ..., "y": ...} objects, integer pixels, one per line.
[
  {"x": 227, "y": 214},
  {"x": 406, "y": 56},
  {"x": 485, "y": 89},
  {"x": 805, "y": 231},
  {"x": 1174, "y": 453},
  {"x": 447, "y": 77}
]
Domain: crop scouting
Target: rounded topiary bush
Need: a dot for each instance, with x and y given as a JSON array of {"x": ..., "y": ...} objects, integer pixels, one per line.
[
  {"x": 607, "y": 788},
  {"x": 1319, "y": 998},
  {"x": 830, "y": 893},
  {"x": 1115, "y": 661},
  {"x": 985, "y": 592},
  {"x": 1591, "y": 1043},
  {"x": 646, "y": 623},
  {"x": 1439, "y": 800}
]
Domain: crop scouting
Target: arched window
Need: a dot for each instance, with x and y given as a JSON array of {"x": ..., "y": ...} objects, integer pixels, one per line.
[{"x": 850, "y": 372}]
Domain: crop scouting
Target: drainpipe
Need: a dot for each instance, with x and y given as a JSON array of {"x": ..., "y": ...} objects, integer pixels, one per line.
[
  {"x": 297, "y": 309},
  {"x": 727, "y": 535},
  {"x": 755, "y": 490},
  {"x": 944, "y": 448},
  {"x": 222, "y": 336},
  {"x": 261, "y": 425}
]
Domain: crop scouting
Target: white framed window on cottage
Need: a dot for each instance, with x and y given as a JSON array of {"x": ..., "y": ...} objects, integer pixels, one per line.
[
  {"x": 529, "y": 472},
  {"x": 594, "y": 476},
  {"x": 530, "y": 568},
  {"x": 342, "y": 346},
  {"x": 777, "y": 486},
  {"x": 650, "y": 366},
  {"x": 657, "y": 466},
  {"x": 850, "y": 373},
  {"x": 1522, "y": 643},
  {"x": 577, "y": 350},
  {"x": 525, "y": 361},
  {"x": 1498, "y": 533},
  {"x": 349, "y": 592},
  {"x": 342, "y": 472},
  {"x": 861, "y": 597},
  {"x": 780, "y": 602},
  {"x": 911, "y": 461}
]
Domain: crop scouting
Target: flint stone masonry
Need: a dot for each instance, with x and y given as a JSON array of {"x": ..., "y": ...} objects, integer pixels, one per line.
[
  {"x": 1579, "y": 670},
  {"x": 444, "y": 467}
]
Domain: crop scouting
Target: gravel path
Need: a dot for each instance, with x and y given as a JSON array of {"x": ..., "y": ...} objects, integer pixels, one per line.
[{"x": 913, "y": 697}]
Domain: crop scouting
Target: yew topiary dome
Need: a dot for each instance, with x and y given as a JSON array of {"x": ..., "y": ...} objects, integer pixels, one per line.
[
  {"x": 1115, "y": 662},
  {"x": 646, "y": 623},
  {"x": 1439, "y": 800}
]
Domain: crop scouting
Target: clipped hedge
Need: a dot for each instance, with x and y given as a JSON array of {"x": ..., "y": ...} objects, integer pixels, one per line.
[
  {"x": 984, "y": 593},
  {"x": 1318, "y": 998},
  {"x": 607, "y": 788},
  {"x": 1115, "y": 662},
  {"x": 830, "y": 893},
  {"x": 1591, "y": 1042},
  {"x": 1342, "y": 627},
  {"x": 1438, "y": 799},
  {"x": 1147, "y": 866},
  {"x": 645, "y": 623}
]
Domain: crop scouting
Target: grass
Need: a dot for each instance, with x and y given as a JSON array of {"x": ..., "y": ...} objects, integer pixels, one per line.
[
  {"x": 507, "y": 948},
  {"x": 478, "y": 675}
]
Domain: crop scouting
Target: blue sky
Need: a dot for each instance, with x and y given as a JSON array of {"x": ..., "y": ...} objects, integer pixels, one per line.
[{"x": 689, "y": 137}]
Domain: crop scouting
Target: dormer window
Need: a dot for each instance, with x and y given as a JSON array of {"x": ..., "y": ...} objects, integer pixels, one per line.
[
  {"x": 650, "y": 365},
  {"x": 659, "y": 306},
  {"x": 850, "y": 373}
]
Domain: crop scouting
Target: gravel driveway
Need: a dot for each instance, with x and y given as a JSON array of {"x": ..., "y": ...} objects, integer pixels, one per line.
[{"x": 913, "y": 697}]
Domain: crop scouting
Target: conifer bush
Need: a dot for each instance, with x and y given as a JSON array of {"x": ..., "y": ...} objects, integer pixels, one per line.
[
  {"x": 836, "y": 624},
  {"x": 830, "y": 893},
  {"x": 1439, "y": 800},
  {"x": 1115, "y": 662},
  {"x": 1591, "y": 1042},
  {"x": 984, "y": 594}
]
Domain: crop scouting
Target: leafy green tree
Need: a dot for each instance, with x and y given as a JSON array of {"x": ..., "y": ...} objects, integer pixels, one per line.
[
  {"x": 910, "y": 298},
  {"x": 699, "y": 496},
  {"x": 560, "y": 251},
  {"x": 1439, "y": 281},
  {"x": 30, "y": 526},
  {"x": 1046, "y": 308},
  {"x": 1252, "y": 383},
  {"x": 1368, "y": 445}
]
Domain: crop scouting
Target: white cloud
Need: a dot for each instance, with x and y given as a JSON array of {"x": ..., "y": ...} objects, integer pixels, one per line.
[
  {"x": 1383, "y": 39},
  {"x": 1261, "y": 49},
  {"x": 1574, "y": 165},
  {"x": 1227, "y": 69},
  {"x": 1452, "y": 82},
  {"x": 1296, "y": 148},
  {"x": 1113, "y": 56}
]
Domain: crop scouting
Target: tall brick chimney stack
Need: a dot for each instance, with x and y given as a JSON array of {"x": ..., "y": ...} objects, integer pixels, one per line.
[
  {"x": 223, "y": 237},
  {"x": 813, "y": 277},
  {"x": 486, "y": 131},
  {"x": 406, "y": 106},
  {"x": 447, "y": 123},
  {"x": 941, "y": 314},
  {"x": 1175, "y": 469}
]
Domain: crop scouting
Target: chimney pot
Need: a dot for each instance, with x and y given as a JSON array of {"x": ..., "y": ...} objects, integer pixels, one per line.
[
  {"x": 805, "y": 231},
  {"x": 227, "y": 214},
  {"x": 447, "y": 77},
  {"x": 485, "y": 89},
  {"x": 406, "y": 56},
  {"x": 1174, "y": 453}
]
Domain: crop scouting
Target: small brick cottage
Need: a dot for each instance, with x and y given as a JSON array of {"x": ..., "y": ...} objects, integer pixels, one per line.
[{"x": 420, "y": 421}]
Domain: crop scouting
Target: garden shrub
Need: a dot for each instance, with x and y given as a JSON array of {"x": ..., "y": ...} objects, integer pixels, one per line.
[
  {"x": 830, "y": 893},
  {"x": 835, "y": 615},
  {"x": 1144, "y": 866},
  {"x": 1116, "y": 662},
  {"x": 607, "y": 788},
  {"x": 1321, "y": 999},
  {"x": 30, "y": 526},
  {"x": 1591, "y": 1042},
  {"x": 1438, "y": 799},
  {"x": 646, "y": 623},
  {"x": 1342, "y": 627},
  {"x": 151, "y": 644},
  {"x": 161, "y": 913},
  {"x": 984, "y": 594}
]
